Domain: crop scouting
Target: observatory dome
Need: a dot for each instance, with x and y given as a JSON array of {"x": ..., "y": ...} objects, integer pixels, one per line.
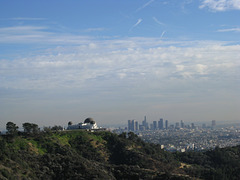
[{"x": 89, "y": 120}]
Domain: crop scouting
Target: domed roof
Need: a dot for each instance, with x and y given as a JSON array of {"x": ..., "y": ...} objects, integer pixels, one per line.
[{"x": 89, "y": 120}]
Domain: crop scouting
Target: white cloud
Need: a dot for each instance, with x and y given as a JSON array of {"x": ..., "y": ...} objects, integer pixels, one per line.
[
  {"x": 27, "y": 19},
  {"x": 229, "y": 30},
  {"x": 180, "y": 67},
  {"x": 38, "y": 34},
  {"x": 24, "y": 19},
  {"x": 201, "y": 69},
  {"x": 21, "y": 29},
  {"x": 221, "y": 5},
  {"x": 127, "y": 76},
  {"x": 108, "y": 62},
  {"x": 95, "y": 29}
]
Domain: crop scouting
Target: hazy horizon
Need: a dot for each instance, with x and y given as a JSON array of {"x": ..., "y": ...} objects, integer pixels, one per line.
[{"x": 65, "y": 61}]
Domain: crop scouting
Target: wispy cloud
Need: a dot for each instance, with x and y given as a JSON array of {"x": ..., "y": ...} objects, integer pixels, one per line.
[
  {"x": 84, "y": 67},
  {"x": 27, "y": 19},
  {"x": 136, "y": 24},
  {"x": 229, "y": 30},
  {"x": 145, "y": 5},
  {"x": 20, "y": 29},
  {"x": 23, "y": 19},
  {"x": 37, "y": 34},
  {"x": 94, "y": 29},
  {"x": 158, "y": 22},
  {"x": 220, "y": 5}
]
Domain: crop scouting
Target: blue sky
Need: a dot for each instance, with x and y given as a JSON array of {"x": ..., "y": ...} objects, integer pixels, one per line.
[{"x": 118, "y": 60}]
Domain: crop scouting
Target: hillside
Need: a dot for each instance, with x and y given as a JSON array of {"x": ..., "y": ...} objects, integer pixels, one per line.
[{"x": 104, "y": 155}]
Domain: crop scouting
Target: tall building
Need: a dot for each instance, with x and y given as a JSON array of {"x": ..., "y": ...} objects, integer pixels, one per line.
[
  {"x": 151, "y": 126},
  {"x": 213, "y": 124},
  {"x": 166, "y": 124},
  {"x": 136, "y": 126},
  {"x": 177, "y": 126},
  {"x": 131, "y": 125},
  {"x": 192, "y": 126},
  {"x": 144, "y": 123},
  {"x": 182, "y": 124},
  {"x": 154, "y": 125},
  {"x": 160, "y": 124}
]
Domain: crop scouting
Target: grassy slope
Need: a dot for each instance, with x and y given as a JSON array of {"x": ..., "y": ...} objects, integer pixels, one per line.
[
  {"x": 81, "y": 155},
  {"x": 103, "y": 155}
]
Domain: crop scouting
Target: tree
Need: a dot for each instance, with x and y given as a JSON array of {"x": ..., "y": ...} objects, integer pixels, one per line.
[
  {"x": 123, "y": 135},
  {"x": 57, "y": 128},
  {"x": 11, "y": 128},
  {"x": 47, "y": 129},
  {"x": 132, "y": 136},
  {"x": 30, "y": 128},
  {"x": 27, "y": 127},
  {"x": 35, "y": 128}
]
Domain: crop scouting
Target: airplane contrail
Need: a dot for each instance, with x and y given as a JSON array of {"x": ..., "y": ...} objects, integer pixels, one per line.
[
  {"x": 162, "y": 34},
  {"x": 145, "y": 5},
  {"x": 136, "y": 24}
]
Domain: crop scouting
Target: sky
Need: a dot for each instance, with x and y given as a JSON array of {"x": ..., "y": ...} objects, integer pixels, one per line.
[{"x": 66, "y": 60}]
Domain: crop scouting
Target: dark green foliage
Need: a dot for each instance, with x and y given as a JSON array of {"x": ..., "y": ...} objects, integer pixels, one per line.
[
  {"x": 83, "y": 146},
  {"x": 30, "y": 128},
  {"x": 221, "y": 163},
  {"x": 78, "y": 155},
  {"x": 104, "y": 155},
  {"x": 57, "y": 128},
  {"x": 47, "y": 130},
  {"x": 11, "y": 128}
]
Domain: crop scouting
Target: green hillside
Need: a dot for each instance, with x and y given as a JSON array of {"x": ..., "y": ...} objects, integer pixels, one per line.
[{"x": 104, "y": 155}]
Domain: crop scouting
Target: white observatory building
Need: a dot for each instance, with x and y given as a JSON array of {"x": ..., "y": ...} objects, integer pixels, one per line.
[{"x": 89, "y": 123}]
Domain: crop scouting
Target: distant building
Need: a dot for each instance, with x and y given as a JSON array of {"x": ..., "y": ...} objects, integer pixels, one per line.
[
  {"x": 182, "y": 124},
  {"x": 213, "y": 124},
  {"x": 166, "y": 124},
  {"x": 192, "y": 126},
  {"x": 136, "y": 126},
  {"x": 160, "y": 124},
  {"x": 89, "y": 123},
  {"x": 151, "y": 126},
  {"x": 204, "y": 126},
  {"x": 177, "y": 126},
  {"x": 131, "y": 125},
  {"x": 154, "y": 125},
  {"x": 144, "y": 123},
  {"x": 142, "y": 128}
]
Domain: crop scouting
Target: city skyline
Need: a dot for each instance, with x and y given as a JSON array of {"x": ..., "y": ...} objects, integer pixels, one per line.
[
  {"x": 164, "y": 124},
  {"x": 63, "y": 61}
]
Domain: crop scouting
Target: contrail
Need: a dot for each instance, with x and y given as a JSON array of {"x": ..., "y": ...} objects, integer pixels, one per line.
[
  {"x": 162, "y": 34},
  {"x": 157, "y": 21},
  {"x": 137, "y": 23},
  {"x": 145, "y": 5}
]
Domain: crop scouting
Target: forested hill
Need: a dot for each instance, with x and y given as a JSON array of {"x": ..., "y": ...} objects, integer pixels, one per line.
[{"x": 104, "y": 155}]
